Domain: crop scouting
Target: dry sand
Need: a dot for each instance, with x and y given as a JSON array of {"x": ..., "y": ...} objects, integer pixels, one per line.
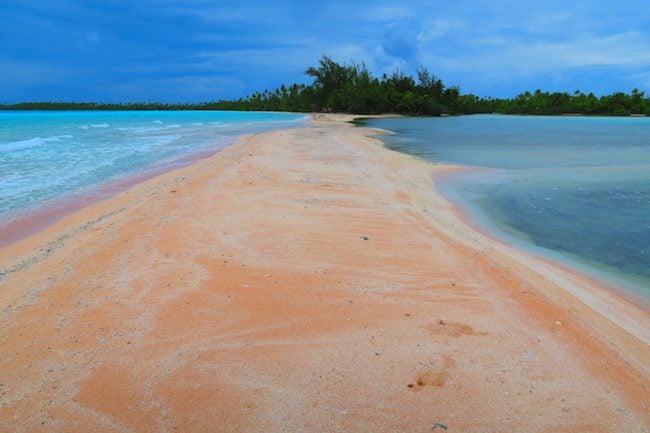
[{"x": 305, "y": 280}]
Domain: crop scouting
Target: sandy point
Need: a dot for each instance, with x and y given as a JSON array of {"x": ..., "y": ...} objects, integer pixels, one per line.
[{"x": 305, "y": 280}]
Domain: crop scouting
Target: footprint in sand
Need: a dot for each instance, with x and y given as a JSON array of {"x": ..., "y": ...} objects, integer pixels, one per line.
[
  {"x": 435, "y": 377},
  {"x": 452, "y": 329},
  {"x": 428, "y": 378}
]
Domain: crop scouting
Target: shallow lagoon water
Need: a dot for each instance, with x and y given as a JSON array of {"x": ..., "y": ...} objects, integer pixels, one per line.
[
  {"x": 575, "y": 187},
  {"x": 49, "y": 155}
]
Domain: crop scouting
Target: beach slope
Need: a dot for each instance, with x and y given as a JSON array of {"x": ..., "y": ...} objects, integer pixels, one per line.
[{"x": 306, "y": 280}]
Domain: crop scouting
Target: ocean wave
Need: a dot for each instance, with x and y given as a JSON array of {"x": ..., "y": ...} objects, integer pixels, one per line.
[
  {"x": 147, "y": 129},
  {"x": 95, "y": 125},
  {"x": 148, "y": 143},
  {"x": 22, "y": 144},
  {"x": 57, "y": 138},
  {"x": 31, "y": 142},
  {"x": 67, "y": 155}
]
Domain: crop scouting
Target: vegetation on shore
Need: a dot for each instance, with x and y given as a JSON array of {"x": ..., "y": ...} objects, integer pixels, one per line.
[{"x": 353, "y": 89}]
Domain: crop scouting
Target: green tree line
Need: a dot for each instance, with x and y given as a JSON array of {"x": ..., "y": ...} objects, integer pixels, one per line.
[{"x": 353, "y": 89}]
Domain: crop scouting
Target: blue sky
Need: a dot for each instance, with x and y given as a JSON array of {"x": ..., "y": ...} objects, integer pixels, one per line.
[{"x": 197, "y": 50}]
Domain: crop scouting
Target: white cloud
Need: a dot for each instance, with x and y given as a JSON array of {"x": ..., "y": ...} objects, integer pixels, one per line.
[
  {"x": 435, "y": 29},
  {"x": 400, "y": 40},
  {"x": 550, "y": 22},
  {"x": 507, "y": 55}
]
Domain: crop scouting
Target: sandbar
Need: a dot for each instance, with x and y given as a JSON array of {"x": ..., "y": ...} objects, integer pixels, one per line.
[{"x": 306, "y": 280}]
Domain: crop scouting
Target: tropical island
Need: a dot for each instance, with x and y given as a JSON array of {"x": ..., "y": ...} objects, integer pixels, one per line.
[
  {"x": 343, "y": 88},
  {"x": 353, "y": 251}
]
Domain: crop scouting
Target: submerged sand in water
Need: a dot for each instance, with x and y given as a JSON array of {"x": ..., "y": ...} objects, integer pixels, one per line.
[{"x": 305, "y": 280}]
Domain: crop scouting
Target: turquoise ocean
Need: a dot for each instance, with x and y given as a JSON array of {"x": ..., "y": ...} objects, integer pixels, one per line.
[
  {"x": 575, "y": 189},
  {"x": 49, "y": 157}
]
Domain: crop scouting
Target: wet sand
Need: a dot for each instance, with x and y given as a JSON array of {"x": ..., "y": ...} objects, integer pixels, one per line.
[{"x": 306, "y": 280}]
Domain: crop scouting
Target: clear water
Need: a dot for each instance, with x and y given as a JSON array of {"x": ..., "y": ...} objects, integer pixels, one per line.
[
  {"x": 577, "y": 187},
  {"x": 47, "y": 155}
]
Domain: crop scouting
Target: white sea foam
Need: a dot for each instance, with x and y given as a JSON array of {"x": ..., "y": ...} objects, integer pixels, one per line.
[
  {"x": 57, "y": 138},
  {"x": 149, "y": 129},
  {"x": 22, "y": 144},
  {"x": 158, "y": 122},
  {"x": 31, "y": 142},
  {"x": 95, "y": 125}
]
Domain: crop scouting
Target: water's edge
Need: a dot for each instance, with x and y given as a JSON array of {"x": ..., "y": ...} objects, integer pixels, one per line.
[
  {"x": 202, "y": 136},
  {"x": 603, "y": 276},
  {"x": 41, "y": 218},
  {"x": 617, "y": 283}
]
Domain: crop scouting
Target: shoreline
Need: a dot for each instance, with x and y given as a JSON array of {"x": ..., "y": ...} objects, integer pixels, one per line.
[
  {"x": 185, "y": 301},
  {"x": 597, "y": 293},
  {"x": 31, "y": 222},
  {"x": 616, "y": 285},
  {"x": 26, "y": 222}
]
